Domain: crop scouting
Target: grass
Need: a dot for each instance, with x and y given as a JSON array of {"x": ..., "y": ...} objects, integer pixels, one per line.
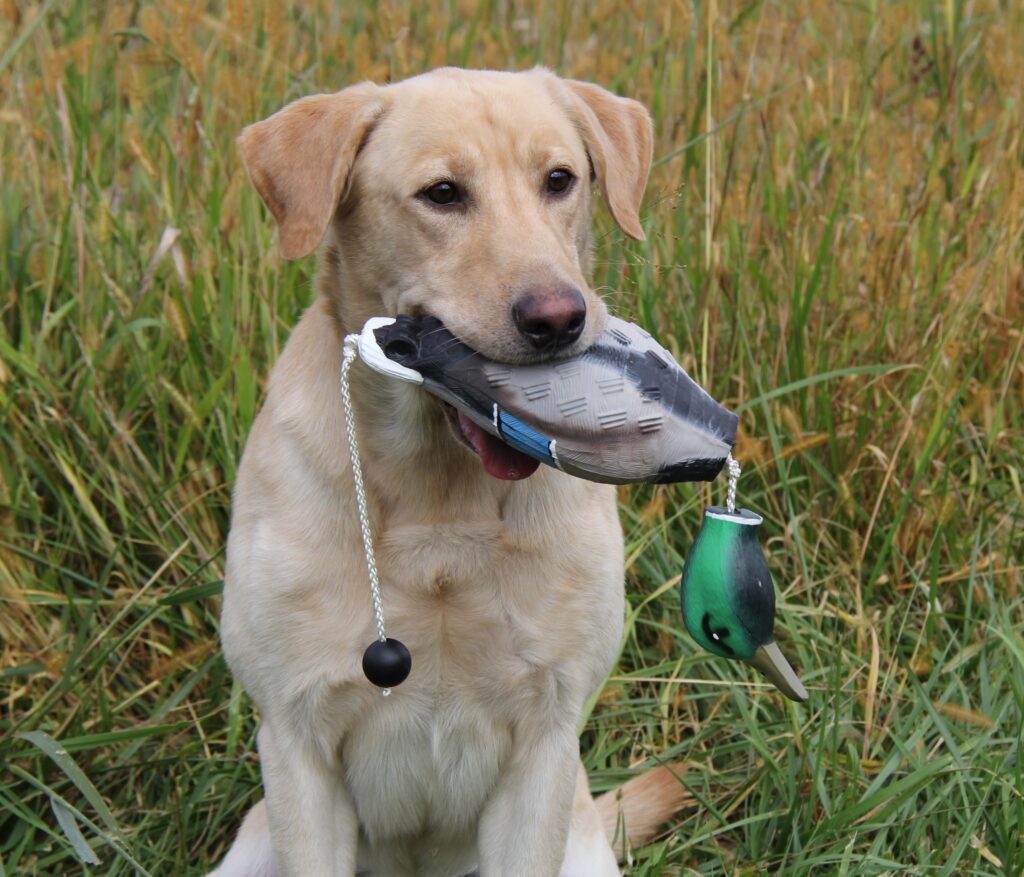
[{"x": 834, "y": 248}]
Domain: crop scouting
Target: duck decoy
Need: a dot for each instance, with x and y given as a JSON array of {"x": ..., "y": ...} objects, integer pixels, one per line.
[{"x": 728, "y": 598}]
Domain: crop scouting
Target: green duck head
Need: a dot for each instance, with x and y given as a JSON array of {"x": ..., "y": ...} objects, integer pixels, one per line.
[{"x": 728, "y": 597}]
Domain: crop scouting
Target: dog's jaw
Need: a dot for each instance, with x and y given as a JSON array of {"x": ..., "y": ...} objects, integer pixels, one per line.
[
  {"x": 498, "y": 459},
  {"x": 417, "y": 438}
]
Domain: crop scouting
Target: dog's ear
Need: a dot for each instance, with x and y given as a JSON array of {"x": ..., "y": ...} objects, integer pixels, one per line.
[
  {"x": 619, "y": 137},
  {"x": 300, "y": 160}
]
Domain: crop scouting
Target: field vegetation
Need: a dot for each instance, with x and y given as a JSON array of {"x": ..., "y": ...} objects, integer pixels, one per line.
[{"x": 834, "y": 225}]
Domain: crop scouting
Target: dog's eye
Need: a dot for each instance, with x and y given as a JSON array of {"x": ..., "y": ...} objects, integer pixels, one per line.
[
  {"x": 560, "y": 181},
  {"x": 443, "y": 193}
]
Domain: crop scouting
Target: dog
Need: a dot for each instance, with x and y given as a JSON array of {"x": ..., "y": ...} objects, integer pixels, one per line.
[{"x": 464, "y": 195}]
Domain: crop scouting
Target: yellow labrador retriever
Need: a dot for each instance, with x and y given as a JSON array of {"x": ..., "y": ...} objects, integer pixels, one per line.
[{"x": 464, "y": 195}]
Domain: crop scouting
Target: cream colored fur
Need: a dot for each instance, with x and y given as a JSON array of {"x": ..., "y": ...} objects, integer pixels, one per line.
[{"x": 508, "y": 594}]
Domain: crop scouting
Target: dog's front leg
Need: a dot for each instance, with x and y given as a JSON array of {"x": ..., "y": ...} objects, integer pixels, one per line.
[
  {"x": 313, "y": 823},
  {"x": 525, "y": 825}
]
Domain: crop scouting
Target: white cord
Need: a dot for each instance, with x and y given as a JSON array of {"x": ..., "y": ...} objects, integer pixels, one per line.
[
  {"x": 733, "y": 469},
  {"x": 351, "y": 351}
]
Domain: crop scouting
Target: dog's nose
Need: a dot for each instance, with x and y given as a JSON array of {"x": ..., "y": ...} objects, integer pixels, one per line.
[{"x": 550, "y": 317}]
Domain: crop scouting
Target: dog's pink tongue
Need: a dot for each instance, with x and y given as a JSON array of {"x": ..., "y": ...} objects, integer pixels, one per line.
[{"x": 500, "y": 460}]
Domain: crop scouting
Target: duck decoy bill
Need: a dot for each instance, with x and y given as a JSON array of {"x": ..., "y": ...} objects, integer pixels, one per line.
[{"x": 773, "y": 664}]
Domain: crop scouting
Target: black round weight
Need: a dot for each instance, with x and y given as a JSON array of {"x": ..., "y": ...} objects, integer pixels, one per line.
[{"x": 387, "y": 663}]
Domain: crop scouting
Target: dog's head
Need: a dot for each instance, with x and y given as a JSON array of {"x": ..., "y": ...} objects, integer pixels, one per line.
[{"x": 461, "y": 194}]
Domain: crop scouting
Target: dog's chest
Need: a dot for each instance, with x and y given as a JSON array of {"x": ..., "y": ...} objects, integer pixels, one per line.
[
  {"x": 494, "y": 624},
  {"x": 496, "y": 635},
  {"x": 416, "y": 768}
]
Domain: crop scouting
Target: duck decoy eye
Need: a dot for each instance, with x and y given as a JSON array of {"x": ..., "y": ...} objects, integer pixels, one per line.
[{"x": 717, "y": 635}]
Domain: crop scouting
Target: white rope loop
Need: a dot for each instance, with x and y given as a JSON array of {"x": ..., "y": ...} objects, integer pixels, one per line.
[
  {"x": 351, "y": 351},
  {"x": 733, "y": 468}
]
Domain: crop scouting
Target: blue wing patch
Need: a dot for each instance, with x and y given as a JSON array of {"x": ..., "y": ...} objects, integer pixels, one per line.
[{"x": 524, "y": 438}]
